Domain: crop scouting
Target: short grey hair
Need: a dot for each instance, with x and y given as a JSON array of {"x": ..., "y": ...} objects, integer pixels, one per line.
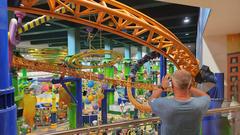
[{"x": 182, "y": 79}]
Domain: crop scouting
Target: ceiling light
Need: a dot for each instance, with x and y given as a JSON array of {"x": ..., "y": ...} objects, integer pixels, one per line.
[
  {"x": 186, "y": 20},
  {"x": 186, "y": 34},
  {"x": 47, "y": 24},
  {"x": 189, "y": 46}
]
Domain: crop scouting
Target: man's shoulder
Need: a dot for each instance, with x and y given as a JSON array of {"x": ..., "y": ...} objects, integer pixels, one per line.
[
  {"x": 202, "y": 98},
  {"x": 202, "y": 101},
  {"x": 163, "y": 99}
]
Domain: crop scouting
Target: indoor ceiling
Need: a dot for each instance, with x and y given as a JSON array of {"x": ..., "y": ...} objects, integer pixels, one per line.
[
  {"x": 172, "y": 16},
  {"x": 224, "y": 17}
]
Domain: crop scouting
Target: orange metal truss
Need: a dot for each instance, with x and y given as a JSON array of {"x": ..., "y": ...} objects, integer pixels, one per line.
[{"x": 128, "y": 23}]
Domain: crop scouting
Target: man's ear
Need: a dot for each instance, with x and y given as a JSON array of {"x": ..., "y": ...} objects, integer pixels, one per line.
[
  {"x": 170, "y": 82},
  {"x": 190, "y": 84}
]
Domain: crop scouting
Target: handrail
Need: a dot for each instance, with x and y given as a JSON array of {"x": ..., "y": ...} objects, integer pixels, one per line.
[
  {"x": 224, "y": 110},
  {"x": 130, "y": 123}
]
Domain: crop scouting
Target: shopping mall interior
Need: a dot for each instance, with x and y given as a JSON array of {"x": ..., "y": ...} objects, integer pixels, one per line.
[{"x": 93, "y": 67}]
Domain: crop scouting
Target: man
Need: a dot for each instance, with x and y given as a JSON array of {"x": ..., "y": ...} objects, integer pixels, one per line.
[{"x": 180, "y": 115}]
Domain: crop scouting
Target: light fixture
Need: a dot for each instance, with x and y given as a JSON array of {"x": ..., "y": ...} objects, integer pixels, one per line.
[
  {"x": 186, "y": 34},
  {"x": 186, "y": 20},
  {"x": 47, "y": 24},
  {"x": 189, "y": 46}
]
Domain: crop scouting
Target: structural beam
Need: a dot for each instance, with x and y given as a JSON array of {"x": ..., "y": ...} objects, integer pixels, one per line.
[
  {"x": 51, "y": 21},
  {"x": 43, "y": 32},
  {"x": 50, "y": 35},
  {"x": 163, "y": 71},
  {"x": 139, "y": 52},
  {"x": 73, "y": 41},
  {"x": 8, "y": 113},
  {"x": 182, "y": 26},
  {"x": 127, "y": 52},
  {"x": 176, "y": 17},
  {"x": 150, "y": 5},
  {"x": 48, "y": 41},
  {"x": 147, "y": 64},
  {"x": 107, "y": 46}
]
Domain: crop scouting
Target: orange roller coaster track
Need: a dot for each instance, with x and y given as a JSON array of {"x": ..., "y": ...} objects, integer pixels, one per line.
[
  {"x": 127, "y": 22},
  {"x": 63, "y": 70}
]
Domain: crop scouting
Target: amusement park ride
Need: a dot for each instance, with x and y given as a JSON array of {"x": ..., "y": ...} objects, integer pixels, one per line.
[{"x": 125, "y": 22}]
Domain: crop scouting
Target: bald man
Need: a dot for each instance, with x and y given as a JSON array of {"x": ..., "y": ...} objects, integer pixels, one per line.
[{"x": 181, "y": 114}]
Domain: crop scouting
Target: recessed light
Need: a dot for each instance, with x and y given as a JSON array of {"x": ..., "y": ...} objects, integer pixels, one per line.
[
  {"x": 47, "y": 24},
  {"x": 189, "y": 46},
  {"x": 186, "y": 34},
  {"x": 186, "y": 20}
]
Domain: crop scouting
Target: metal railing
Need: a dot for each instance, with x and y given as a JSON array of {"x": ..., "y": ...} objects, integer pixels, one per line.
[{"x": 134, "y": 123}]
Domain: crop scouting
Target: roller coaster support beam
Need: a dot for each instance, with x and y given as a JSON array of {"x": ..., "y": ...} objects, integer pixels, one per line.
[
  {"x": 73, "y": 41},
  {"x": 139, "y": 76},
  {"x": 127, "y": 63},
  {"x": 163, "y": 70},
  {"x": 104, "y": 106},
  {"x": 127, "y": 60},
  {"x": 74, "y": 48},
  {"x": 79, "y": 104},
  {"x": 108, "y": 71},
  {"x": 8, "y": 113},
  {"x": 147, "y": 64}
]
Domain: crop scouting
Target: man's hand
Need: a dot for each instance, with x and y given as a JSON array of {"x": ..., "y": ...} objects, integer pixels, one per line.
[
  {"x": 197, "y": 92},
  {"x": 156, "y": 93},
  {"x": 165, "y": 83}
]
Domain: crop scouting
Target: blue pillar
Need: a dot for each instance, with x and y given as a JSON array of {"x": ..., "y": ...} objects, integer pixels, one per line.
[
  {"x": 79, "y": 103},
  {"x": 127, "y": 58},
  {"x": 163, "y": 67},
  {"x": 104, "y": 107},
  {"x": 73, "y": 41},
  {"x": 107, "y": 46},
  {"x": 139, "y": 56},
  {"x": 4, "y": 67},
  {"x": 127, "y": 52},
  {"x": 74, "y": 48},
  {"x": 147, "y": 64},
  {"x": 8, "y": 114},
  {"x": 220, "y": 85},
  {"x": 217, "y": 92},
  {"x": 109, "y": 71},
  {"x": 139, "y": 52},
  {"x": 127, "y": 61},
  {"x": 211, "y": 125},
  {"x": 163, "y": 70}
]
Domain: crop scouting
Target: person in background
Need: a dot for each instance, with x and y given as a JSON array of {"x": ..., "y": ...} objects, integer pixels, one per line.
[{"x": 181, "y": 114}]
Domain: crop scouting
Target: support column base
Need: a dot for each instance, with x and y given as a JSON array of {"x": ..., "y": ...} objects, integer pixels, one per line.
[{"x": 8, "y": 119}]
